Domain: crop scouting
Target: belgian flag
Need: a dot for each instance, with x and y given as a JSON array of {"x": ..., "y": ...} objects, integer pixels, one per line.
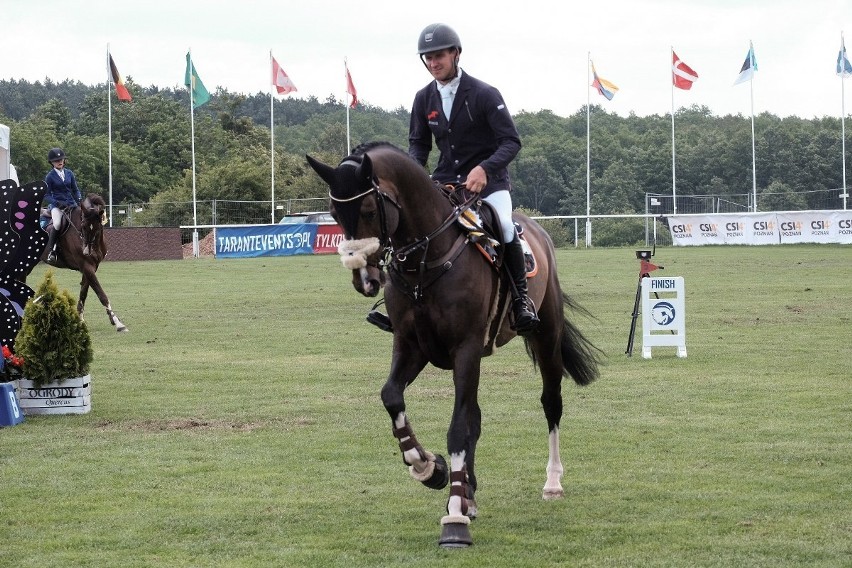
[{"x": 120, "y": 90}]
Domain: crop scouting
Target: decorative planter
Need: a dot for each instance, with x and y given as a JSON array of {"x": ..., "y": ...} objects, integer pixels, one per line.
[{"x": 70, "y": 396}]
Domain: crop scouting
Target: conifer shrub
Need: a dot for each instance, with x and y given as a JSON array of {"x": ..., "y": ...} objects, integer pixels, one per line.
[{"x": 53, "y": 340}]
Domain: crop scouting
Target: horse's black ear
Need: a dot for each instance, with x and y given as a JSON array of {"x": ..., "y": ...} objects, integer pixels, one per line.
[
  {"x": 327, "y": 173},
  {"x": 365, "y": 170}
]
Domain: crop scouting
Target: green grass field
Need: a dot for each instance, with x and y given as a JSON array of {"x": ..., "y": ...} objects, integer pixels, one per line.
[{"x": 239, "y": 424}]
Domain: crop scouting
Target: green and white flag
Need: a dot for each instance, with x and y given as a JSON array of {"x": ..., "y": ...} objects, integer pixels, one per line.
[{"x": 193, "y": 82}]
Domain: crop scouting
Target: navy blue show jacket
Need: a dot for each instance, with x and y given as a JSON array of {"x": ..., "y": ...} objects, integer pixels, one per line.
[
  {"x": 481, "y": 132},
  {"x": 61, "y": 193}
]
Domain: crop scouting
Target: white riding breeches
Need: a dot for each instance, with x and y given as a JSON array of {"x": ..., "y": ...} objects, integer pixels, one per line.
[
  {"x": 501, "y": 201},
  {"x": 56, "y": 215}
]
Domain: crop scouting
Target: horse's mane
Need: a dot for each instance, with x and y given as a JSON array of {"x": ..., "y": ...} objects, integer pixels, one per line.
[
  {"x": 357, "y": 154},
  {"x": 362, "y": 148}
]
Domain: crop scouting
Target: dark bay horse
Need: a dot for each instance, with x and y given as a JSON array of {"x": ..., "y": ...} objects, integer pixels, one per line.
[
  {"x": 82, "y": 247},
  {"x": 448, "y": 306}
]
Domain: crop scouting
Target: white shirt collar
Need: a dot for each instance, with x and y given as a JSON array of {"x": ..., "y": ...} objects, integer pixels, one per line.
[{"x": 451, "y": 86}]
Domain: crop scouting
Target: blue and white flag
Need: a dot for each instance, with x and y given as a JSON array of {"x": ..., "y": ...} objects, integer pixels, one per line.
[
  {"x": 844, "y": 68},
  {"x": 748, "y": 68}
]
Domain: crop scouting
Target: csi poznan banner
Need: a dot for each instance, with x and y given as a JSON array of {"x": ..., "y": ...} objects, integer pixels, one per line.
[
  {"x": 762, "y": 228},
  {"x": 816, "y": 227},
  {"x": 276, "y": 240}
]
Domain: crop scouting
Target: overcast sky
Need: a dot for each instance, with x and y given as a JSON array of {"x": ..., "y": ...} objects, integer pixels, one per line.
[{"x": 535, "y": 52}]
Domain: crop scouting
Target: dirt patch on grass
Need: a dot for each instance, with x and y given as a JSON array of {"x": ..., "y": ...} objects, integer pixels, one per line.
[{"x": 201, "y": 424}]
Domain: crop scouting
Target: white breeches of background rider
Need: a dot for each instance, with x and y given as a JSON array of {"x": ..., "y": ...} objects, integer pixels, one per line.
[
  {"x": 56, "y": 215},
  {"x": 501, "y": 201}
]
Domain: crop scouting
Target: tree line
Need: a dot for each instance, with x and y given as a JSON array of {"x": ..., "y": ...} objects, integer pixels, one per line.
[{"x": 630, "y": 156}]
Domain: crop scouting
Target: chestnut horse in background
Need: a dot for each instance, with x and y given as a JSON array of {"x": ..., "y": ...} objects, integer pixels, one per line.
[{"x": 81, "y": 247}]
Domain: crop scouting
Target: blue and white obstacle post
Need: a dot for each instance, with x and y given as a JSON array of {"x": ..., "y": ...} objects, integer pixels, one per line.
[
  {"x": 663, "y": 314},
  {"x": 10, "y": 411}
]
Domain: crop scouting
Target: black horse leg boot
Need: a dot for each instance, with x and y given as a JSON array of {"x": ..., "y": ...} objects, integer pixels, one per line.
[
  {"x": 51, "y": 244},
  {"x": 523, "y": 309}
]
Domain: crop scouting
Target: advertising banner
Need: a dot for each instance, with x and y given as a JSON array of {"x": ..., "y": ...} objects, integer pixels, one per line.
[
  {"x": 762, "y": 228},
  {"x": 275, "y": 240},
  {"x": 816, "y": 227}
]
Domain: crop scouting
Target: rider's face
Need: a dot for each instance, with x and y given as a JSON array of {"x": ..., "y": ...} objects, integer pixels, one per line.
[
  {"x": 58, "y": 164},
  {"x": 441, "y": 64}
]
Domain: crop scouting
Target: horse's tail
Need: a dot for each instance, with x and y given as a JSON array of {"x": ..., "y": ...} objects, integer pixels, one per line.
[{"x": 580, "y": 357}]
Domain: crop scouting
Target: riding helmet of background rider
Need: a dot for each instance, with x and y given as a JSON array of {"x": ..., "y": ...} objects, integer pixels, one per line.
[{"x": 55, "y": 154}]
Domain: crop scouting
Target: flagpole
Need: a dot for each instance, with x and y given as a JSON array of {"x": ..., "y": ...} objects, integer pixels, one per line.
[
  {"x": 751, "y": 90},
  {"x": 674, "y": 182},
  {"x": 346, "y": 76},
  {"x": 272, "y": 134},
  {"x": 843, "y": 113},
  {"x": 195, "y": 251},
  {"x": 109, "y": 127},
  {"x": 588, "y": 156},
  {"x": 753, "y": 166}
]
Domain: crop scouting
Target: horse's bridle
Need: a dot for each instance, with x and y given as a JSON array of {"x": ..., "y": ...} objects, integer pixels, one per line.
[
  {"x": 381, "y": 198},
  {"x": 88, "y": 234},
  {"x": 394, "y": 258}
]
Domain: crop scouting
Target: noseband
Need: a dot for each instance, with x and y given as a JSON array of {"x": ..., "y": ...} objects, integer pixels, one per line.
[{"x": 382, "y": 197}]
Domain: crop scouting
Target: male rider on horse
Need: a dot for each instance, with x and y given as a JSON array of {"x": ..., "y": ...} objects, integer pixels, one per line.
[
  {"x": 62, "y": 192},
  {"x": 477, "y": 139}
]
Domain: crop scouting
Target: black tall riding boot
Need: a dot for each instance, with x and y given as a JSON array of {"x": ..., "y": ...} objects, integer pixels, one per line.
[
  {"x": 51, "y": 245},
  {"x": 523, "y": 308}
]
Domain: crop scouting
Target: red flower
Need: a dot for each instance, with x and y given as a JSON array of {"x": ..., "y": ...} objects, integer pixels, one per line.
[{"x": 13, "y": 362}]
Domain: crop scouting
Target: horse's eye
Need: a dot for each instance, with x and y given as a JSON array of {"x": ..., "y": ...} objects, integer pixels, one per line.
[{"x": 368, "y": 215}]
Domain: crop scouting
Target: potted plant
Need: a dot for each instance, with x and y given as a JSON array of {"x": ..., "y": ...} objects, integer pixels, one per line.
[{"x": 56, "y": 350}]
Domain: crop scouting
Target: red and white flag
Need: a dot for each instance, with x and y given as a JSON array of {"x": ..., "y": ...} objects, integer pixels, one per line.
[
  {"x": 283, "y": 83},
  {"x": 682, "y": 74},
  {"x": 350, "y": 87}
]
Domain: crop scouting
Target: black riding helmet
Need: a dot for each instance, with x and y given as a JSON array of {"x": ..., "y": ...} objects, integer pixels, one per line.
[
  {"x": 436, "y": 37},
  {"x": 55, "y": 154}
]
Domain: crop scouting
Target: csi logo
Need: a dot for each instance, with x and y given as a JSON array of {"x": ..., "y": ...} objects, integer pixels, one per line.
[
  {"x": 791, "y": 226},
  {"x": 687, "y": 228},
  {"x": 663, "y": 313},
  {"x": 820, "y": 225},
  {"x": 708, "y": 227},
  {"x": 763, "y": 225},
  {"x": 845, "y": 223},
  {"x": 734, "y": 226}
]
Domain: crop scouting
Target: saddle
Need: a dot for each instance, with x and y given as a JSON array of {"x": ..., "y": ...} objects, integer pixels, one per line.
[
  {"x": 46, "y": 221},
  {"x": 483, "y": 227}
]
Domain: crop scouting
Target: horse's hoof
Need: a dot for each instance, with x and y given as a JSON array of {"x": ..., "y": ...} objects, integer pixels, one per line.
[
  {"x": 455, "y": 535},
  {"x": 122, "y": 329},
  {"x": 551, "y": 494}
]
